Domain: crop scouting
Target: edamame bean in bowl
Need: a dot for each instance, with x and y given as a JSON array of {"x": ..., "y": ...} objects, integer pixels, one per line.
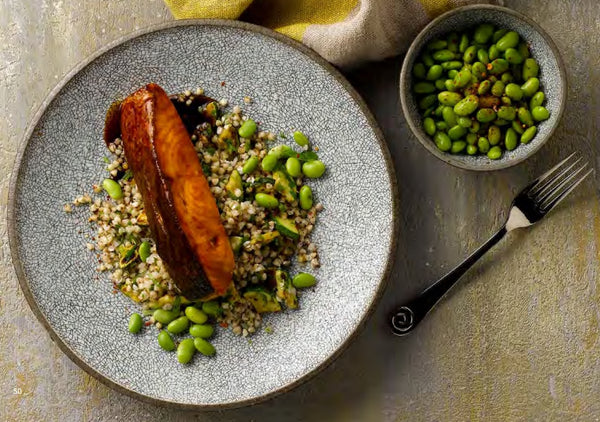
[
  {"x": 167, "y": 172},
  {"x": 477, "y": 92}
]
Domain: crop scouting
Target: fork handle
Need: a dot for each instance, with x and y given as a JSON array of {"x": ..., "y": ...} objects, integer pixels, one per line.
[{"x": 408, "y": 316}]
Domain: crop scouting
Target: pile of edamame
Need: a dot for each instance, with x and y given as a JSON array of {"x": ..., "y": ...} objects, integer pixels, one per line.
[
  {"x": 479, "y": 91},
  {"x": 192, "y": 320}
]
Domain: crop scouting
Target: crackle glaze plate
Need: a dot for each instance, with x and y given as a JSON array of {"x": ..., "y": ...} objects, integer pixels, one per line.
[{"x": 291, "y": 88}]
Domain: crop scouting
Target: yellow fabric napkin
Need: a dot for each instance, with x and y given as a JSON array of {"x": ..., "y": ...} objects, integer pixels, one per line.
[{"x": 344, "y": 32}]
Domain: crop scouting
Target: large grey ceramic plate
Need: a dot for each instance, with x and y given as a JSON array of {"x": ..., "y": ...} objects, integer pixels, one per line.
[{"x": 291, "y": 88}]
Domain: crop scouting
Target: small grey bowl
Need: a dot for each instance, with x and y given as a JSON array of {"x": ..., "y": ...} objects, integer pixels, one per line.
[{"x": 552, "y": 77}]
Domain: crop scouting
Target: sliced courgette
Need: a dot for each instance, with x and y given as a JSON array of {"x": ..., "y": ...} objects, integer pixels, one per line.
[
  {"x": 287, "y": 227},
  {"x": 262, "y": 300}
]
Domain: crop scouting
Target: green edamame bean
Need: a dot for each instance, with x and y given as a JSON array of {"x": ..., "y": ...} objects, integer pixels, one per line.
[
  {"x": 498, "y": 34},
  {"x": 266, "y": 201},
  {"x": 530, "y": 87},
  {"x": 471, "y": 149},
  {"x": 427, "y": 59},
  {"x": 442, "y": 141},
  {"x": 434, "y": 72},
  {"x": 112, "y": 188},
  {"x": 536, "y": 100},
  {"x": 483, "y": 145},
  {"x": 482, "y": 56},
  {"x": 449, "y": 84},
  {"x": 508, "y": 40},
  {"x": 428, "y": 112},
  {"x": 165, "y": 341},
  {"x": 313, "y": 169},
  {"x": 507, "y": 77},
  {"x": 438, "y": 110},
  {"x": 448, "y": 98},
  {"x": 440, "y": 84},
  {"x": 135, "y": 323},
  {"x": 423, "y": 88},
  {"x": 513, "y": 91},
  {"x": 195, "y": 315},
  {"x": 303, "y": 280},
  {"x": 540, "y": 113},
  {"x": 429, "y": 126},
  {"x": 498, "y": 88},
  {"x": 437, "y": 44},
  {"x": 510, "y": 139},
  {"x": 426, "y": 102},
  {"x": 452, "y": 41},
  {"x": 479, "y": 70},
  {"x": 247, "y": 129},
  {"x": 463, "y": 44},
  {"x": 452, "y": 73},
  {"x": 474, "y": 126},
  {"x": 463, "y": 121},
  {"x": 471, "y": 138},
  {"x": 293, "y": 167},
  {"x": 516, "y": 125},
  {"x": 498, "y": 66},
  {"x": 470, "y": 54},
  {"x": 204, "y": 346},
  {"x": 144, "y": 250},
  {"x": 282, "y": 151},
  {"x": 449, "y": 116},
  {"x": 501, "y": 122},
  {"x": 202, "y": 330},
  {"x": 525, "y": 116},
  {"x": 164, "y": 317},
  {"x": 507, "y": 113},
  {"x": 441, "y": 125},
  {"x": 530, "y": 69},
  {"x": 306, "y": 198},
  {"x": 467, "y": 105},
  {"x": 458, "y": 146},
  {"x": 250, "y": 165},
  {"x": 494, "y": 153},
  {"x": 269, "y": 162},
  {"x": 528, "y": 134},
  {"x": 443, "y": 55},
  {"x": 185, "y": 350},
  {"x": 483, "y": 33},
  {"x": 178, "y": 325},
  {"x": 456, "y": 132},
  {"x": 451, "y": 65},
  {"x": 493, "y": 52},
  {"x": 419, "y": 70},
  {"x": 212, "y": 308},
  {"x": 494, "y": 135},
  {"x": 485, "y": 115},
  {"x": 513, "y": 56},
  {"x": 462, "y": 78},
  {"x": 300, "y": 138},
  {"x": 484, "y": 87},
  {"x": 523, "y": 50},
  {"x": 506, "y": 101}
]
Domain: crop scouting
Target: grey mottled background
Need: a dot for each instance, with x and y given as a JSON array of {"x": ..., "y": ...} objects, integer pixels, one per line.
[{"x": 517, "y": 340}]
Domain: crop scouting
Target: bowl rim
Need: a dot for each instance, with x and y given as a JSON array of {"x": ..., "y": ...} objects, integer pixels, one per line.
[
  {"x": 426, "y": 141},
  {"x": 16, "y": 175}
]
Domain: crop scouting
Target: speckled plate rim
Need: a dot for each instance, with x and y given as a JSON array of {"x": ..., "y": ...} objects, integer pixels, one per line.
[
  {"x": 426, "y": 142},
  {"x": 11, "y": 212}
]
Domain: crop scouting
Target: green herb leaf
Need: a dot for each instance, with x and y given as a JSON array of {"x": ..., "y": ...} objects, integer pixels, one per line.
[
  {"x": 127, "y": 175},
  {"x": 177, "y": 304},
  {"x": 282, "y": 135},
  {"x": 206, "y": 169},
  {"x": 308, "y": 156},
  {"x": 106, "y": 160},
  {"x": 263, "y": 181}
]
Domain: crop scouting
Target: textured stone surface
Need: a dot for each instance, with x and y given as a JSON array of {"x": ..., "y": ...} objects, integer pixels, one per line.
[
  {"x": 289, "y": 94},
  {"x": 517, "y": 340}
]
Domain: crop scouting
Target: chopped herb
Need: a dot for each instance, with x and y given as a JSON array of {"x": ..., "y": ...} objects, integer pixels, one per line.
[
  {"x": 263, "y": 181},
  {"x": 106, "y": 160},
  {"x": 269, "y": 329},
  {"x": 127, "y": 175},
  {"x": 282, "y": 135},
  {"x": 210, "y": 150},
  {"x": 308, "y": 156}
]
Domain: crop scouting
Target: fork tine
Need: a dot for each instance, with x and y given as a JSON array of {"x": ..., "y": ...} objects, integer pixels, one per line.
[
  {"x": 555, "y": 180},
  {"x": 565, "y": 188},
  {"x": 541, "y": 181}
]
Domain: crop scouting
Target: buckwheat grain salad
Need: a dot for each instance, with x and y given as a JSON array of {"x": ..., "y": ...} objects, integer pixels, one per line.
[{"x": 266, "y": 208}]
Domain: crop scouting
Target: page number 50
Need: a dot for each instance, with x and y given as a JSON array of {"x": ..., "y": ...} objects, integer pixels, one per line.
[{"x": 17, "y": 391}]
